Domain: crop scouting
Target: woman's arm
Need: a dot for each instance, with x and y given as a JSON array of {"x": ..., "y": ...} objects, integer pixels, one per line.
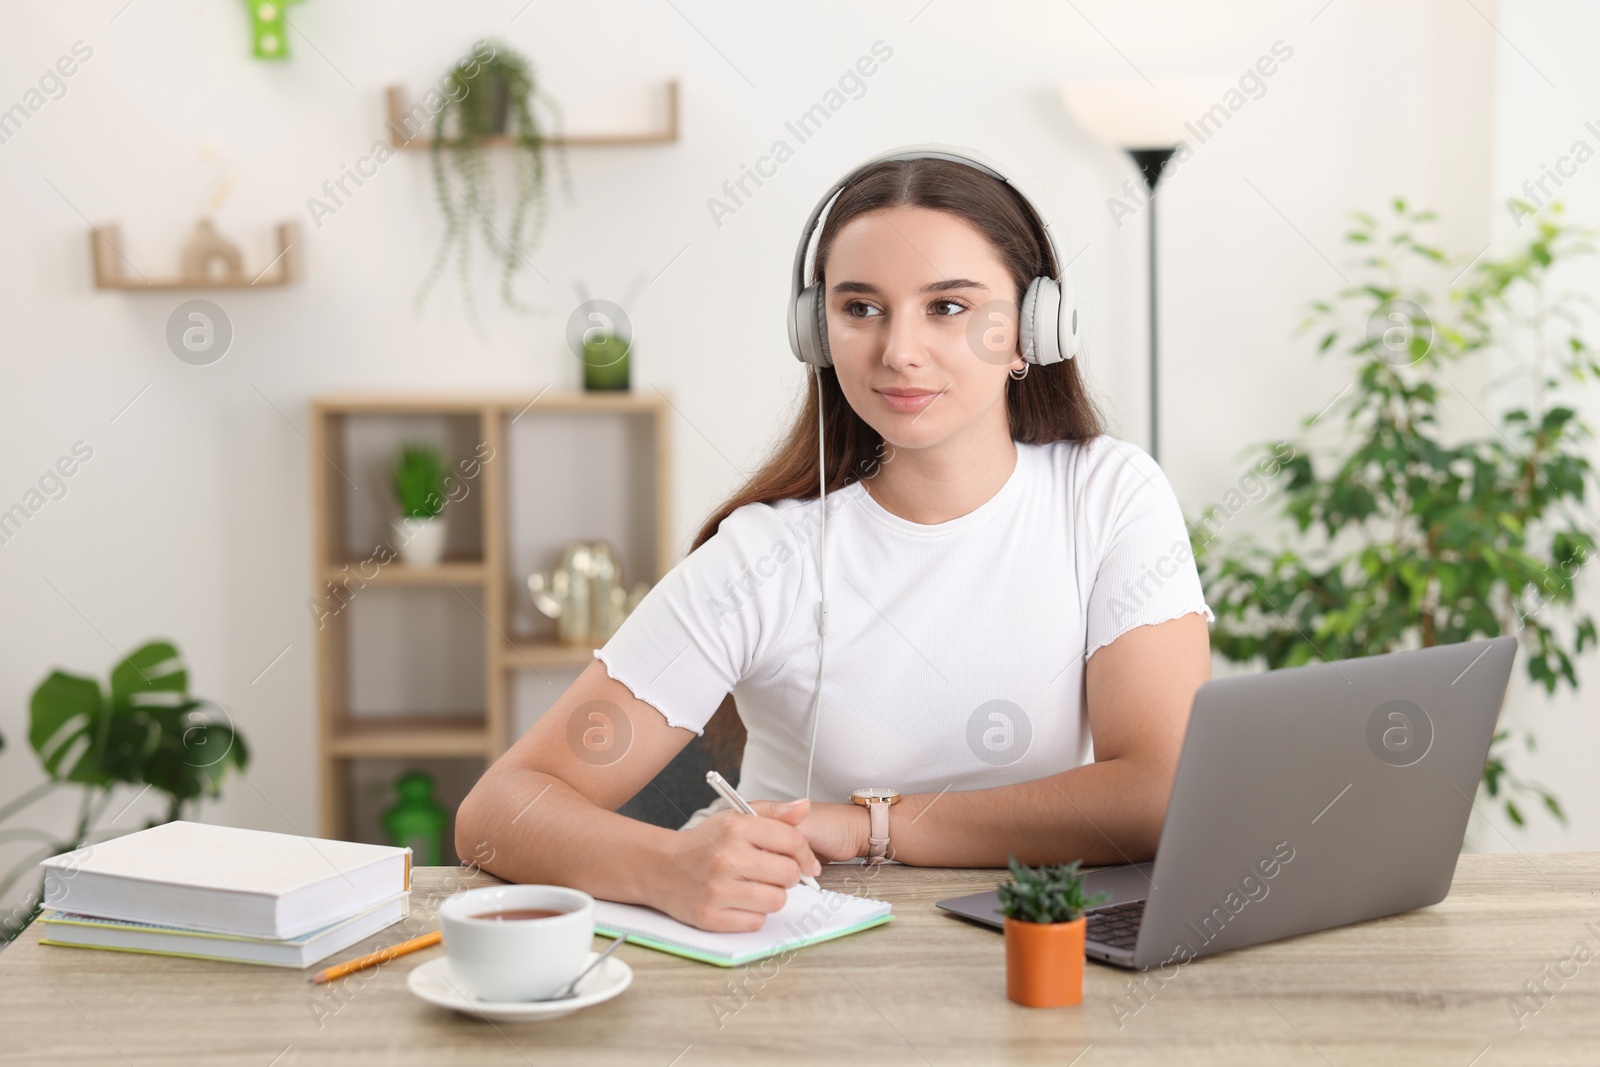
[
  {"x": 545, "y": 812},
  {"x": 1139, "y": 689}
]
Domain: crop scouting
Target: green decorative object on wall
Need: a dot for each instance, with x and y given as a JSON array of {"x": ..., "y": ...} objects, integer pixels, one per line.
[
  {"x": 605, "y": 361},
  {"x": 417, "y": 821},
  {"x": 269, "y": 28}
]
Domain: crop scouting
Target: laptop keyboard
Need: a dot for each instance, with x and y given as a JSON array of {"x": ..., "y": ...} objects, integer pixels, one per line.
[{"x": 1117, "y": 925}]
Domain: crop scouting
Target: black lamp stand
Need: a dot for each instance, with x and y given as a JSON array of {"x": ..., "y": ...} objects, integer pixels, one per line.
[{"x": 1151, "y": 163}]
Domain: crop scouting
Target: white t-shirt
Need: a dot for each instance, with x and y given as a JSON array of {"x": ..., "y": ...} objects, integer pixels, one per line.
[{"x": 955, "y": 651}]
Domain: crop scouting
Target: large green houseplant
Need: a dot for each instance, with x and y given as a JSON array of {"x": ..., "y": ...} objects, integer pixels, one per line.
[
  {"x": 1404, "y": 536},
  {"x": 491, "y": 99},
  {"x": 144, "y": 729}
]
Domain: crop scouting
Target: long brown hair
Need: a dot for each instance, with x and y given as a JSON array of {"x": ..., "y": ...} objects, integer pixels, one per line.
[{"x": 1050, "y": 404}]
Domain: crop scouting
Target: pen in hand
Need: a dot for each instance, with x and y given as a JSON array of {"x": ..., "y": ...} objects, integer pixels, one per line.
[{"x": 727, "y": 792}]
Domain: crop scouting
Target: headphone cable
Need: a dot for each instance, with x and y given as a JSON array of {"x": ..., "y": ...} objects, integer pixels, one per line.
[{"x": 822, "y": 564}]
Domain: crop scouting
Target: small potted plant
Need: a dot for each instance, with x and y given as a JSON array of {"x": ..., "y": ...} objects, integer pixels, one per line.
[
  {"x": 605, "y": 361},
  {"x": 419, "y": 486},
  {"x": 1044, "y": 922}
]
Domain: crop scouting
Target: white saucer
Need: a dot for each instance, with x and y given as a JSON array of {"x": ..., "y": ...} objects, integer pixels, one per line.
[{"x": 436, "y": 983}]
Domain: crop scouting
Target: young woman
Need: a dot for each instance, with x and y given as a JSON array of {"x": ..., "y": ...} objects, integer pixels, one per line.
[{"x": 1015, "y": 628}]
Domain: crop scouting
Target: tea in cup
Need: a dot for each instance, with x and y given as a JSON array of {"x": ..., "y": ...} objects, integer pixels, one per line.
[{"x": 517, "y": 942}]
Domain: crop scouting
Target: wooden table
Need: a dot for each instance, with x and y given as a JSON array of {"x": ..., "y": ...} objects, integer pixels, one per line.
[{"x": 1435, "y": 986}]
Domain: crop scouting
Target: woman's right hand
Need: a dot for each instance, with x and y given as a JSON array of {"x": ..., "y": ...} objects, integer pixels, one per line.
[{"x": 727, "y": 873}]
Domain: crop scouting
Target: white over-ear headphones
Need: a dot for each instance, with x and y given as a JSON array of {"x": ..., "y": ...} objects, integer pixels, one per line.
[
  {"x": 1048, "y": 326},
  {"x": 1047, "y": 333}
]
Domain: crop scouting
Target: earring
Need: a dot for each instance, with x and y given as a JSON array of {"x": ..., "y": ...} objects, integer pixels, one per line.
[{"x": 1018, "y": 377}]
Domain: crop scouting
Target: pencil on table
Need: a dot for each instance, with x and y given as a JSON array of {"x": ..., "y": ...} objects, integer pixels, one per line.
[{"x": 372, "y": 959}]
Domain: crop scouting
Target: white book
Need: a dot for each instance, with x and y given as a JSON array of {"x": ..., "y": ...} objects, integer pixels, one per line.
[
  {"x": 810, "y": 916},
  {"x": 88, "y": 931},
  {"x": 226, "y": 880}
]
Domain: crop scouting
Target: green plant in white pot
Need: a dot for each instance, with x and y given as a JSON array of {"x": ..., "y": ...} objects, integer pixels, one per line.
[{"x": 419, "y": 487}]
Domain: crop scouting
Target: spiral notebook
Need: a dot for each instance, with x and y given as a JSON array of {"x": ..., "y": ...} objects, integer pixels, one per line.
[{"x": 810, "y": 917}]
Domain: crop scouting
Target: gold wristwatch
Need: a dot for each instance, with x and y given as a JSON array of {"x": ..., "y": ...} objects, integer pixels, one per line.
[{"x": 877, "y": 800}]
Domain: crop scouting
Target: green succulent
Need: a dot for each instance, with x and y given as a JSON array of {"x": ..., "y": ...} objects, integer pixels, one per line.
[
  {"x": 1050, "y": 894},
  {"x": 419, "y": 481}
]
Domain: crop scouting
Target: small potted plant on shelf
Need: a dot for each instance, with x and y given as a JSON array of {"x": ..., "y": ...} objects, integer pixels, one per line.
[
  {"x": 605, "y": 361},
  {"x": 419, "y": 486},
  {"x": 1044, "y": 924}
]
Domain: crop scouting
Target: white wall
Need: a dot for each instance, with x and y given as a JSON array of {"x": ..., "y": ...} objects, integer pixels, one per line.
[
  {"x": 1546, "y": 90},
  {"x": 192, "y": 520}
]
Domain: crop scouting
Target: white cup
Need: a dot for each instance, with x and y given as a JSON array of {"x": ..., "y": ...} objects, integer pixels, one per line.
[{"x": 517, "y": 959}]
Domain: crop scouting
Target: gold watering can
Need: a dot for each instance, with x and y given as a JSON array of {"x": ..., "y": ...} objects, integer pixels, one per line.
[{"x": 585, "y": 594}]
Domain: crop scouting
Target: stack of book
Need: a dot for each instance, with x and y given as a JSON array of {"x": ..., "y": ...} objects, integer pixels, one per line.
[{"x": 224, "y": 893}]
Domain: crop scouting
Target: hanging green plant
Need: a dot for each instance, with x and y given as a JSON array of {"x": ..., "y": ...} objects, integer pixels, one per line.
[{"x": 491, "y": 100}]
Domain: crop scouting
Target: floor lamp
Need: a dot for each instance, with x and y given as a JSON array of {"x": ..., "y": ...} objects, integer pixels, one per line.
[
  {"x": 1152, "y": 161},
  {"x": 1148, "y": 121}
]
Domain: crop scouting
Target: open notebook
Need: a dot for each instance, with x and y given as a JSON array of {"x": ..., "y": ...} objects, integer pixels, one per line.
[{"x": 810, "y": 916}]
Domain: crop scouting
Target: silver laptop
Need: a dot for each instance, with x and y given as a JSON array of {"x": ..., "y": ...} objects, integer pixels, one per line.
[{"x": 1305, "y": 798}]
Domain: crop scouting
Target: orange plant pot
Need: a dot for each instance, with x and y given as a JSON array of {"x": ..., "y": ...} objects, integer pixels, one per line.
[{"x": 1044, "y": 962}]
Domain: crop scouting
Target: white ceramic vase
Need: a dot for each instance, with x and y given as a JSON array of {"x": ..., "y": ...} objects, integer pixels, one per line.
[{"x": 420, "y": 541}]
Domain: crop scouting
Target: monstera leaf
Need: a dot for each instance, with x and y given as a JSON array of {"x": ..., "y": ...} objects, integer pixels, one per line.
[
  {"x": 147, "y": 732},
  {"x": 67, "y": 728},
  {"x": 151, "y": 676},
  {"x": 149, "y": 697}
]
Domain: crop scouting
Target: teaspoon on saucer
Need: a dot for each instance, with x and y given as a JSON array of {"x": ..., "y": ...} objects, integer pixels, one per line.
[{"x": 572, "y": 987}]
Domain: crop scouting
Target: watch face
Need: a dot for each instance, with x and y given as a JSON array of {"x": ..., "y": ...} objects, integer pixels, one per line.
[{"x": 876, "y": 793}]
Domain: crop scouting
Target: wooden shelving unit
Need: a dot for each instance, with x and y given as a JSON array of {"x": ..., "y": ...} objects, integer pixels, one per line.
[
  {"x": 448, "y": 572},
  {"x": 522, "y": 654},
  {"x": 419, "y": 735},
  {"x": 515, "y": 434},
  {"x": 419, "y": 141}
]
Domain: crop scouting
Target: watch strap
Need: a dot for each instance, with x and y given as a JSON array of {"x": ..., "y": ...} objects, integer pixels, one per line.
[{"x": 878, "y": 831}]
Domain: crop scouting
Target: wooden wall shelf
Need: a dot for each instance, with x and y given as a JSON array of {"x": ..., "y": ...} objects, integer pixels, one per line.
[
  {"x": 419, "y": 141},
  {"x": 105, "y": 242},
  {"x": 352, "y": 744}
]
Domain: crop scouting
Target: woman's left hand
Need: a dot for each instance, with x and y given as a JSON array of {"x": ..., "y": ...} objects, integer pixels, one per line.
[{"x": 835, "y": 832}]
